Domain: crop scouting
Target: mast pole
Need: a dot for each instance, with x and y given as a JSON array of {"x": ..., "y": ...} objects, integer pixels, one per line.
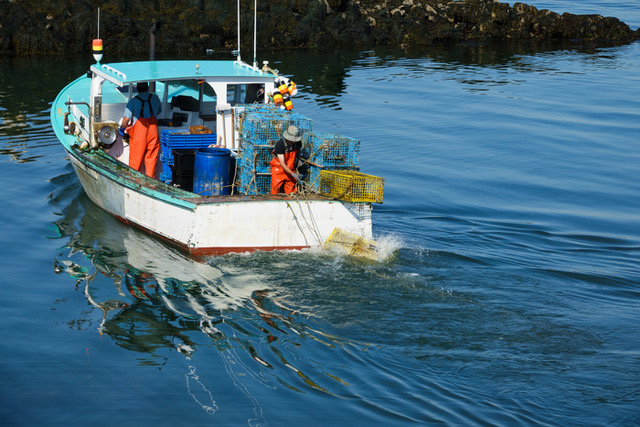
[
  {"x": 238, "y": 57},
  {"x": 255, "y": 31}
]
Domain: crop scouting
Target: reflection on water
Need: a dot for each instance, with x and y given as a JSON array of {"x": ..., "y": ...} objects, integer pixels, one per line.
[
  {"x": 149, "y": 297},
  {"x": 241, "y": 319},
  {"x": 28, "y": 86}
]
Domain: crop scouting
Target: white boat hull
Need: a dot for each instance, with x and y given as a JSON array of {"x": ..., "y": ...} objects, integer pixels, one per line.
[{"x": 221, "y": 224}]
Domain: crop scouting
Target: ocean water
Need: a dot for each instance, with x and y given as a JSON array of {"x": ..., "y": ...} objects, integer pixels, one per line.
[{"x": 512, "y": 295}]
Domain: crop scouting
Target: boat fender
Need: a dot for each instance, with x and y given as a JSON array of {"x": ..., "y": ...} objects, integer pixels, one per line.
[{"x": 65, "y": 127}]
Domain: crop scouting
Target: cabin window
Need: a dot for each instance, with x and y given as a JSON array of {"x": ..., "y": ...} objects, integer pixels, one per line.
[
  {"x": 245, "y": 93},
  {"x": 235, "y": 94}
]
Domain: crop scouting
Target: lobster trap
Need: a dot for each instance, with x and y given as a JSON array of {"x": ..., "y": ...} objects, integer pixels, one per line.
[
  {"x": 313, "y": 177},
  {"x": 351, "y": 186},
  {"x": 255, "y": 157},
  {"x": 334, "y": 151},
  {"x": 244, "y": 110},
  {"x": 250, "y": 183},
  {"x": 267, "y": 126},
  {"x": 351, "y": 244}
]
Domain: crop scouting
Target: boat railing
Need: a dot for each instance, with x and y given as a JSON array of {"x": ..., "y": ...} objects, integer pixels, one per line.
[{"x": 112, "y": 70}]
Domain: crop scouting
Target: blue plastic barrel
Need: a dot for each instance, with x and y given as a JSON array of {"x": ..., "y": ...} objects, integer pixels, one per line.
[{"x": 212, "y": 172}]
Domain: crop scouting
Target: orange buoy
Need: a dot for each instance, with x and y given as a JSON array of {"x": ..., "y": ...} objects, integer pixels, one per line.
[
  {"x": 282, "y": 87},
  {"x": 277, "y": 98},
  {"x": 288, "y": 105},
  {"x": 97, "y": 49},
  {"x": 293, "y": 91}
]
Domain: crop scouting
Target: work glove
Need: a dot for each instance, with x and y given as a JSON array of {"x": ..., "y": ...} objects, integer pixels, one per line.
[{"x": 121, "y": 131}]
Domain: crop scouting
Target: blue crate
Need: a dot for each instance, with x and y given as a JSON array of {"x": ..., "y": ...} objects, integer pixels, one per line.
[
  {"x": 184, "y": 139},
  {"x": 166, "y": 160},
  {"x": 166, "y": 178},
  {"x": 166, "y": 169},
  {"x": 331, "y": 150},
  {"x": 179, "y": 139}
]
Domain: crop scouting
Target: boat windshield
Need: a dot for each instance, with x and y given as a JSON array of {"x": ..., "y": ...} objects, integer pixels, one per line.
[{"x": 191, "y": 88}]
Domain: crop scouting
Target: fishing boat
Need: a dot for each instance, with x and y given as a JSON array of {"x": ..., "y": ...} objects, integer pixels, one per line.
[{"x": 204, "y": 109}]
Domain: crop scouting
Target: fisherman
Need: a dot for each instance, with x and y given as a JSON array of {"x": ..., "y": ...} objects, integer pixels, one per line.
[
  {"x": 285, "y": 161},
  {"x": 141, "y": 113}
]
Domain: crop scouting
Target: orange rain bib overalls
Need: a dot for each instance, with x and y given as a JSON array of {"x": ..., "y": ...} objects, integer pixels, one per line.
[
  {"x": 144, "y": 144},
  {"x": 279, "y": 178}
]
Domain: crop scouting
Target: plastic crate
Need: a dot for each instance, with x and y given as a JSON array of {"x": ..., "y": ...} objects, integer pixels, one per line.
[
  {"x": 166, "y": 160},
  {"x": 183, "y": 180},
  {"x": 184, "y": 139},
  {"x": 166, "y": 170},
  {"x": 351, "y": 186},
  {"x": 179, "y": 139},
  {"x": 166, "y": 177},
  {"x": 183, "y": 159}
]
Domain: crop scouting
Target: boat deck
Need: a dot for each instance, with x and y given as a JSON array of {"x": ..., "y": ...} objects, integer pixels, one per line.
[{"x": 119, "y": 171}]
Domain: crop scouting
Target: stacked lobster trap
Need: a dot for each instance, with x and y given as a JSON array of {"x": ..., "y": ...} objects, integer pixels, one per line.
[
  {"x": 332, "y": 152},
  {"x": 339, "y": 177},
  {"x": 259, "y": 128}
]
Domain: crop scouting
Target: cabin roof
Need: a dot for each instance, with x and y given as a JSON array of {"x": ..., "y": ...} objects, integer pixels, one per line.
[{"x": 123, "y": 73}]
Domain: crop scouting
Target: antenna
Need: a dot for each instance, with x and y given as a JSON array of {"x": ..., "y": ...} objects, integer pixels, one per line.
[
  {"x": 98, "y": 22},
  {"x": 255, "y": 29},
  {"x": 238, "y": 58}
]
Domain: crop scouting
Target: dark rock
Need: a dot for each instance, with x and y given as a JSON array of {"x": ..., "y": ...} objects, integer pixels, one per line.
[{"x": 36, "y": 26}]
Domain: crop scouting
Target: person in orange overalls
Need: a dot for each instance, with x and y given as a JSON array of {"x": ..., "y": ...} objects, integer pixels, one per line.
[
  {"x": 285, "y": 160},
  {"x": 143, "y": 110}
]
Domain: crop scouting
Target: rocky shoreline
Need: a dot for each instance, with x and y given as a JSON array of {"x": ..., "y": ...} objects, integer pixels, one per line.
[{"x": 45, "y": 27}]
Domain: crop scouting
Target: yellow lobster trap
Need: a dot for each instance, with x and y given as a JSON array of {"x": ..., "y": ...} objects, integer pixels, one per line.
[
  {"x": 351, "y": 186},
  {"x": 351, "y": 244}
]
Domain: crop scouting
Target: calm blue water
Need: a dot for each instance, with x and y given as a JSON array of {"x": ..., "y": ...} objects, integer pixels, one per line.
[{"x": 512, "y": 198}]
